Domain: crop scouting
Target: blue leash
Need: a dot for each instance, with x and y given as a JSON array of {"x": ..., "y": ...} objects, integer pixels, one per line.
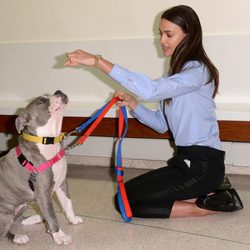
[
  {"x": 121, "y": 191},
  {"x": 91, "y": 119}
]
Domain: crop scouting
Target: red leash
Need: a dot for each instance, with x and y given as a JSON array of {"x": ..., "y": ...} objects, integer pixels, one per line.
[
  {"x": 96, "y": 119},
  {"x": 121, "y": 190}
]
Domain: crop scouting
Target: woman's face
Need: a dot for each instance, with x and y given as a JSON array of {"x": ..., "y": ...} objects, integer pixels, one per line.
[{"x": 171, "y": 36}]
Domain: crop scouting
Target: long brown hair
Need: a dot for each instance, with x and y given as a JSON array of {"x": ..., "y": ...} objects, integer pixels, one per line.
[{"x": 191, "y": 47}]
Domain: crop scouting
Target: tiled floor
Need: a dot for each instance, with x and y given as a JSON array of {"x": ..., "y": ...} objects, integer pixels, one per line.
[{"x": 92, "y": 189}]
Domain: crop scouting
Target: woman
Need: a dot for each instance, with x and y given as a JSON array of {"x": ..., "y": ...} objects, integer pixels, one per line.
[{"x": 187, "y": 187}]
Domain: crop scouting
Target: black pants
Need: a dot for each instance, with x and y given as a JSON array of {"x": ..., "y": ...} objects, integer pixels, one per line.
[{"x": 195, "y": 171}]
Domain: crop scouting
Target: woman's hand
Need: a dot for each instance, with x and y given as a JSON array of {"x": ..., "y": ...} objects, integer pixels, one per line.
[
  {"x": 126, "y": 100},
  {"x": 80, "y": 57}
]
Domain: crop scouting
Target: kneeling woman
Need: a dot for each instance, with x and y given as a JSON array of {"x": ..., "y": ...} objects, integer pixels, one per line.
[{"x": 189, "y": 185}]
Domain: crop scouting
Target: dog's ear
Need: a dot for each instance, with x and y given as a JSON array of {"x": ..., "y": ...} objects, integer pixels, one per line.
[{"x": 21, "y": 121}]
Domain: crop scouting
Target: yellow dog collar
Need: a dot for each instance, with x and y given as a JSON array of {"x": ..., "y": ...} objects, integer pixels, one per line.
[{"x": 42, "y": 140}]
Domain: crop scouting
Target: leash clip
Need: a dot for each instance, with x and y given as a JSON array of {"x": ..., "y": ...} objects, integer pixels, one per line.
[
  {"x": 71, "y": 147},
  {"x": 66, "y": 135}
]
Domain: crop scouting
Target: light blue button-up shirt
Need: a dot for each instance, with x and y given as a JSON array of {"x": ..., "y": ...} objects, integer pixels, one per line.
[{"x": 191, "y": 114}]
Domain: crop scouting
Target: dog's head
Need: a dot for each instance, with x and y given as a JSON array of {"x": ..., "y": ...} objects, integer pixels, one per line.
[{"x": 43, "y": 116}]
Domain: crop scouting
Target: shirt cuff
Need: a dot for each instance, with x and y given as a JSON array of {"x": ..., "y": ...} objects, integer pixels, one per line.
[
  {"x": 138, "y": 111},
  {"x": 116, "y": 70}
]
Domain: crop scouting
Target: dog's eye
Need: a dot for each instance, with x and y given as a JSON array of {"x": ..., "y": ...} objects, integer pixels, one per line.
[{"x": 42, "y": 100}]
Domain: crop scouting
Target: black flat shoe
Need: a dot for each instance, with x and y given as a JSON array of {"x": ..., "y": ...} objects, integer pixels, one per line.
[
  {"x": 225, "y": 201},
  {"x": 225, "y": 184}
]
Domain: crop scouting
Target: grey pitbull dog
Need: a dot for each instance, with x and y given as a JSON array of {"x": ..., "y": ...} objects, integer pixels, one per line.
[{"x": 41, "y": 118}]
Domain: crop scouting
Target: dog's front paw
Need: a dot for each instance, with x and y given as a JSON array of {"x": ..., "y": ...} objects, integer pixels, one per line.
[
  {"x": 61, "y": 238},
  {"x": 75, "y": 220},
  {"x": 21, "y": 239}
]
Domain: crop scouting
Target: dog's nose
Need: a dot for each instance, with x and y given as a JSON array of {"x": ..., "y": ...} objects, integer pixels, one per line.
[
  {"x": 64, "y": 97},
  {"x": 58, "y": 92}
]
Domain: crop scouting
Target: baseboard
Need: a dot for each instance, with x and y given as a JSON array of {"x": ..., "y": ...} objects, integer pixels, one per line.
[
  {"x": 140, "y": 164},
  {"x": 136, "y": 163}
]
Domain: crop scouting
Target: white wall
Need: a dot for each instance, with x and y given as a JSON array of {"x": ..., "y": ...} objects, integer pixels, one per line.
[
  {"x": 36, "y": 35},
  {"x": 40, "y": 65},
  {"x": 63, "y": 20}
]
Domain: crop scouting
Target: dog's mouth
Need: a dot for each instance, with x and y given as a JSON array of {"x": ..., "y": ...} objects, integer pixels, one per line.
[
  {"x": 58, "y": 109},
  {"x": 57, "y": 106}
]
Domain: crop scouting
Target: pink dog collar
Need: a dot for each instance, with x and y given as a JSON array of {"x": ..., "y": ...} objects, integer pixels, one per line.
[
  {"x": 36, "y": 170},
  {"x": 29, "y": 165}
]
